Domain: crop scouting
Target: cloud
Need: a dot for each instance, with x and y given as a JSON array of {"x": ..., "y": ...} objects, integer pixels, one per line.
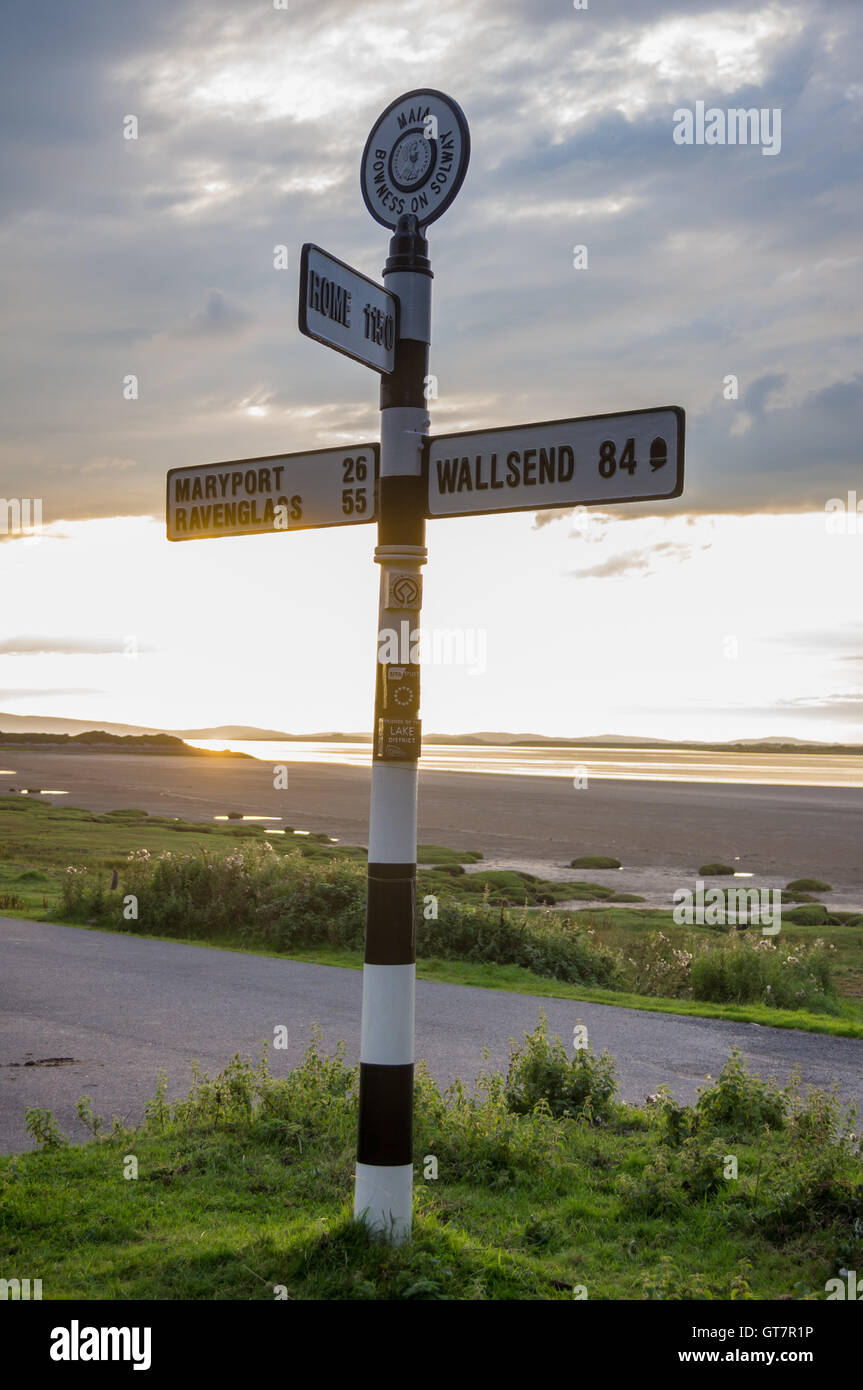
[
  {"x": 636, "y": 561},
  {"x": 842, "y": 644},
  {"x": 762, "y": 389},
  {"x": 843, "y": 702},
  {"x": 21, "y": 694},
  {"x": 703, "y": 261},
  {"x": 108, "y": 465},
  {"x": 66, "y": 646},
  {"x": 218, "y": 317},
  {"x": 844, "y": 705}
]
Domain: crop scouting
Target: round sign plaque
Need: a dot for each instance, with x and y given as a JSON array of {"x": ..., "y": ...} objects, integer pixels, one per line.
[{"x": 415, "y": 158}]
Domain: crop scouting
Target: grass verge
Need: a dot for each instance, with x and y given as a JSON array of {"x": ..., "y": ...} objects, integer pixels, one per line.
[{"x": 534, "y": 1186}]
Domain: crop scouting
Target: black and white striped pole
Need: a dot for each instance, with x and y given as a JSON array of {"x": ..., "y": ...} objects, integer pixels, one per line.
[
  {"x": 413, "y": 165},
  {"x": 384, "y": 1150}
]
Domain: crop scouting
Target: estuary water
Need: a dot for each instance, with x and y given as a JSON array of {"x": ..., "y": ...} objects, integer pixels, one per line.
[{"x": 610, "y": 762}]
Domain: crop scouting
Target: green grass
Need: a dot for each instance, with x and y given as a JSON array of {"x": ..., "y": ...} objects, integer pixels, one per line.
[
  {"x": 438, "y": 854},
  {"x": 243, "y": 1191},
  {"x": 513, "y": 887}
]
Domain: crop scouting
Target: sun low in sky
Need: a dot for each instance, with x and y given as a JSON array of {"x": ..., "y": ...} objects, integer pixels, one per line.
[{"x": 163, "y": 166}]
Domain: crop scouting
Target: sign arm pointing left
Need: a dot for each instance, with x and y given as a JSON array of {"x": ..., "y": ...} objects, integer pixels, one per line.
[
  {"x": 346, "y": 310},
  {"x": 281, "y": 492}
]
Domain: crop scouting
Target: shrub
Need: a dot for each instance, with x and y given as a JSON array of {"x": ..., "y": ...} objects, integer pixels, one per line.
[
  {"x": 808, "y": 885},
  {"x": 669, "y": 1282},
  {"x": 653, "y": 966},
  {"x": 814, "y": 915},
  {"x": 713, "y": 869},
  {"x": 669, "y": 1183},
  {"x": 562, "y": 949},
  {"x": 319, "y": 1094},
  {"x": 512, "y": 887},
  {"x": 739, "y": 1103},
  {"x": 820, "y": 1198},
  {"x": 313, "y": 903},
  {"x": 542, "y": 1073},
  {"x": 288, "y": 900},
  {"x": 594, "y": 861},
  {"x": 589, "y": 892},
  {"x": 475, "y": 1135},
  {"x": 439, "y": 854},
  {"x": 821, "y": 1120},
  {"x": 676, "y": 1122},
  {"x": 42, "y": 1125},
  {"x": 199, "y": 895},
  {"x": 82, "y": 894},
  {"x": 748, "y": 970}
]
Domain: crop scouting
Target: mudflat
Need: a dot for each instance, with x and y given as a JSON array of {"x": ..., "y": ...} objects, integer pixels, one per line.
[{"x": 783, "y": 831}]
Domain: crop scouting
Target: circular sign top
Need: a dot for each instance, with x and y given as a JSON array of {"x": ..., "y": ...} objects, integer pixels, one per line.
[{"x": 415, "y": 157}]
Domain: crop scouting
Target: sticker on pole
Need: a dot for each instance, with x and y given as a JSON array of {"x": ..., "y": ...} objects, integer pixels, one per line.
[
  {"x": 630, "y": 456},
  {"x": 399, "y": 740},
  {"x": 346, "y": 310},
  {"x": 283, "y": 492},
  {"x": 415, "y": 158}
]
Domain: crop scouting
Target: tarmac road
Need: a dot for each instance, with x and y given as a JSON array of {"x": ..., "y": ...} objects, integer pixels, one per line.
[{"x": 87, "y": 1012}]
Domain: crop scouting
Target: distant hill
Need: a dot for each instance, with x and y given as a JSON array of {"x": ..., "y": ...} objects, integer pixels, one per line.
[
  {"x": 248, "y": 731},
  {"x": 104, "y": 742},
  {"x": 35, "y": 725},
  {"x": 47, "y": 724}
]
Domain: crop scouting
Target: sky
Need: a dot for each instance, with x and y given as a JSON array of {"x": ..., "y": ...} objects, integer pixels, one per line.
[{"x": 721, "y": 278}]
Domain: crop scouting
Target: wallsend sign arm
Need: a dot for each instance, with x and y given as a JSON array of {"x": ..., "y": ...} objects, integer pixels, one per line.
[
  {"x": 629, "y": 456},
  {"x": 412, "y": 167}
]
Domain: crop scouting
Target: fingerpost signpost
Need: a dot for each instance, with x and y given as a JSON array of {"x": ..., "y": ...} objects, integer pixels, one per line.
[{"x": 413, "y": 165}]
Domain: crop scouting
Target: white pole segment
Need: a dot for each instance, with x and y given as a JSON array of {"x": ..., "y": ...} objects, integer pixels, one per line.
[{"x": 388, "y": 1014}]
